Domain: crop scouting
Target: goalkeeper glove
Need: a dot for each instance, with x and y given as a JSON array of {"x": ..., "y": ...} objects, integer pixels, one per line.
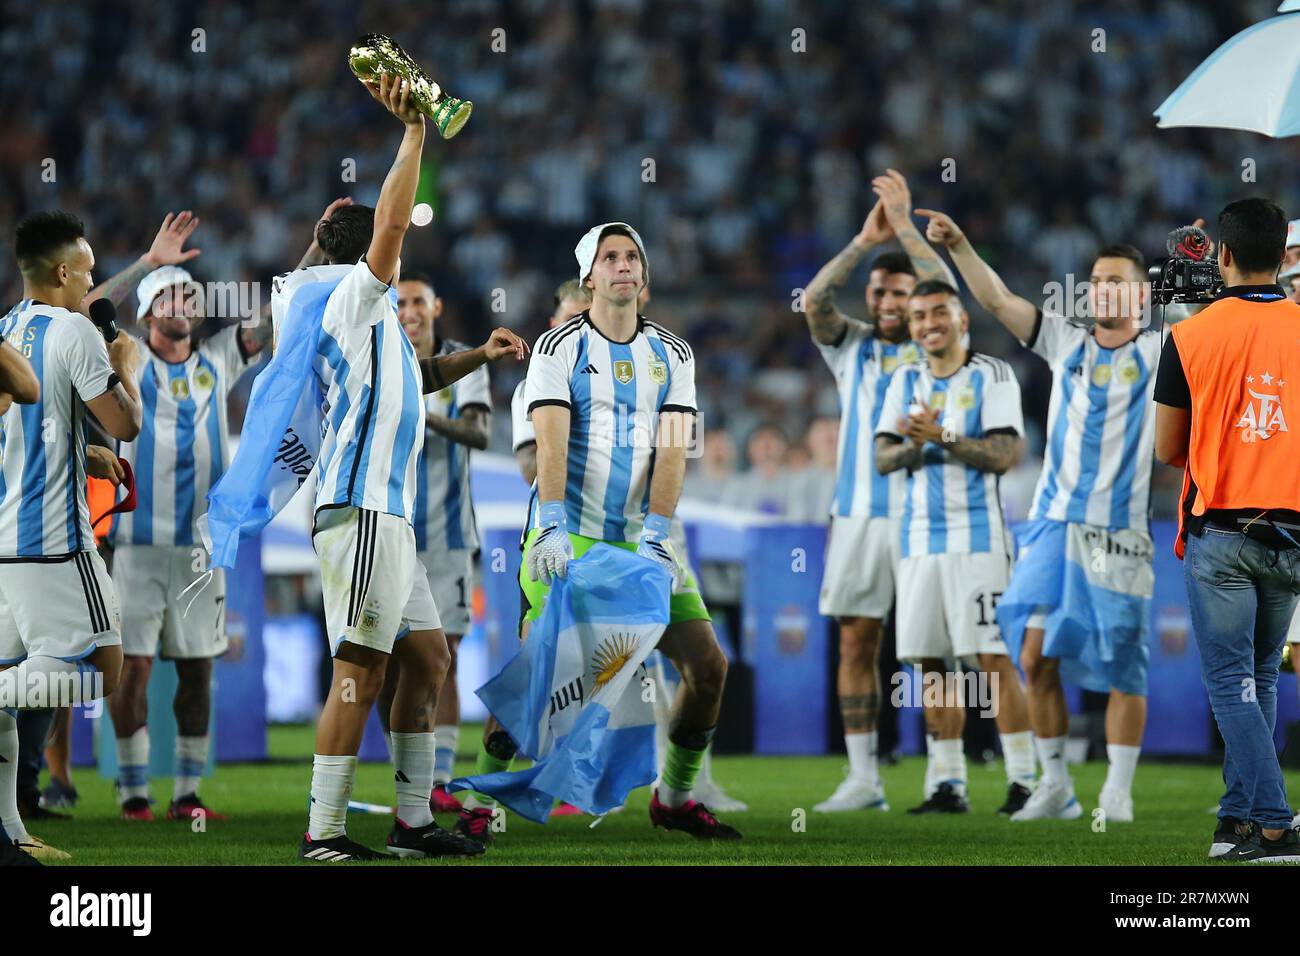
[
  {"x": 551, "y": 550},
  {"x": 656, "y": 546}
]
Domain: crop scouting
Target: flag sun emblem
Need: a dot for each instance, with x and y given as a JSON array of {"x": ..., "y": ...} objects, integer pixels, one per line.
[{"x": 610, "y": 656}]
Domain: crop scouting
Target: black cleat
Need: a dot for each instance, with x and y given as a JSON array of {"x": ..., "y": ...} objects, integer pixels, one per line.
[
  {"x": 1017, "y": 796},
  {"x": 945, "y": 799},
  {"x": 476, "y": 825},
  {"x": 337, "y": 849},
  {"x": 693, "y": 818},
  {"x": 430, "y": 840},
  {"x": 1285, "y": 849},
  {"x": 11, "y": 855},
  {"x": 1229, "y": 836}
]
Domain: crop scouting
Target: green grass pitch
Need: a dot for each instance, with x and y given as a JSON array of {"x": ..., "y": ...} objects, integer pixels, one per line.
[{"x": 267, "y": 804}]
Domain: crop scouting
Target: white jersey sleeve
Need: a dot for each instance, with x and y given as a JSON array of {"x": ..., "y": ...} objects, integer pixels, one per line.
[
  {"x": 1000, "y": 409},
  {"x": 895, "y": 406},
  {"x": 360, "y": 297},
  {"x": 474, "y": 389},
  {"x": 225, "y": 352},
  {"x": 521, "y": 429},
  {"x": 551, "y": 366},
  {"x": 1055, "y": 336},
  {"x": 840, "y": 355},
  {"x": 86, "y": 358}
]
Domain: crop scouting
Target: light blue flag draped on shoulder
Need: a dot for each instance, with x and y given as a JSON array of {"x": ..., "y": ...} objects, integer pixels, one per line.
[
  {"x": 574, "y": 697},
  {"x": 283, "y": 426}
]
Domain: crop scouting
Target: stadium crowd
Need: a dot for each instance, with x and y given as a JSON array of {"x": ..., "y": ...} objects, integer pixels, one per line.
[{"x": 740, "y": 192}]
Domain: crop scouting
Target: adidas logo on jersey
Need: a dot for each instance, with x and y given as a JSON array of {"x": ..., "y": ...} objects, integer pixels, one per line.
[{"x": 590, "y": 370}]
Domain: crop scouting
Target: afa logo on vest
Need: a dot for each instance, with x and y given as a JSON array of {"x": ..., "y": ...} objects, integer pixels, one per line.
[{"x": 1263, "y": 417}]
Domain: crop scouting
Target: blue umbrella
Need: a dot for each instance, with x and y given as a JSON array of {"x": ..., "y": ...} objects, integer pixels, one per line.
[{"x": 1252, "y": 82}]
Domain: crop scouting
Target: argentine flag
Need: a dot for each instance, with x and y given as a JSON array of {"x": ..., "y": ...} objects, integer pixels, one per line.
[
  {"x": 283, "y": 425},
  {"x": 575, "y": 698}
]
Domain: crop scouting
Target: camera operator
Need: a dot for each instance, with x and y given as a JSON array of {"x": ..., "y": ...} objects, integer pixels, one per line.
[{"x": 1223, "y": 392}]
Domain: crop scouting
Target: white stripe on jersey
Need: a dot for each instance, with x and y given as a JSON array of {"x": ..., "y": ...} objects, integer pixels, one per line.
[
  {"x": 1100, "y": 427},
  {"x": 374, "y": 424},
  {"x": 444, "y": 513},
  {"x": 43, "y": 511},
  {"x": 615, "y": 392},
  {"x": 951, "y": 507},
  {"x": 862, "y": 365},
  {"x": 183, "y": 446}
]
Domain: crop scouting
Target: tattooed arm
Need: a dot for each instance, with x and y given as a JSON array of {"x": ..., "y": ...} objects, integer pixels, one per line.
[
  {"x": 471, "y": 428},
  {"x": 995, "y": 453},
  {"x": 893, "y": 453},
  {"x": 826, "y": 322},
  {"x": 166, "y": 250},
  {"x": 897, "y": 199}
]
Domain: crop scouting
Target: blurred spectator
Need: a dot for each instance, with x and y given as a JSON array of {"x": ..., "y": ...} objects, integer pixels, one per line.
[{"x": 766, "y": 485}]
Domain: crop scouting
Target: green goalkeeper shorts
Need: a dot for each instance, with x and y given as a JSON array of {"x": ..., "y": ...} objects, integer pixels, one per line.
[{"x": 685, "y": 605}]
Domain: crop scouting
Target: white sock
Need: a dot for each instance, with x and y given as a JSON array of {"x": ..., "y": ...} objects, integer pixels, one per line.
[
  {"x": 1018, "y": 757},
  {"x": 331, "y": 786},
  {"x": 133, "y": 765},
  {"x": 444, "y": 753},
  {"x": 49, "y": 682},
  {"x": 673, "y": 798},
  {"x": 1123, "y": 764},
  {"x": 1051, "y": 757},
  {"x": 413, "y": 763},
  {"x": 191, "y": 761},
  {"x": 862, "y": 756},
  {"x": 950, "y": 764},
  {"x": 9, "y": 818}
]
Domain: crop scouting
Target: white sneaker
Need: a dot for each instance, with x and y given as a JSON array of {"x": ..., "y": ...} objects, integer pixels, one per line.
[
  {"x": 1050, "y": 802},
  {"x": 854, "y": 793},
  {"x": 715, "y": 798},
  {"x": 1115, "y": 808},
  {"x": 1295, "y": 820}
]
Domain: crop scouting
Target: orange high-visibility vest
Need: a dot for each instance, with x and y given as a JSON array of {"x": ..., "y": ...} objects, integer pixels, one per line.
[
  {"x": 100, "y": 496},
  {"x": 1242, "y": 362}
]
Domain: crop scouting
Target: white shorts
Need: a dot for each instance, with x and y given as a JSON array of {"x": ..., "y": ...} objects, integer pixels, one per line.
[
  {"x": 861, "y": 565},
  {"x": 374, "y": 588},
  {"x": 947, "y": 606},
  {"x": 151, "y": 580},
  {"x": 64, "y": 609},
  {"x": 451, "y": 581}
]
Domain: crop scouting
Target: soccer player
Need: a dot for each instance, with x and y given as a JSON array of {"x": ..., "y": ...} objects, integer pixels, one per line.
[
  {"x": 596, "y": 383},
  {"x": 861, "y": 556},
  {"x": 60, "y": 630},
  {"x": 1078, "y": 605},
  {"x": 456, "y": 419},
  {"x": 374, "y": 588},
  {"x": 954, "y": 423},
  {"x": 179, "y": 454},
  {"x": 571, "y": 298}
]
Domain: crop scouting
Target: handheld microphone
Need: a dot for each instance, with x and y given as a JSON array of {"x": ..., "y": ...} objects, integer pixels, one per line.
[
  {"x": 103, "y": 313},
  {"x": 1189, "y": 242}
]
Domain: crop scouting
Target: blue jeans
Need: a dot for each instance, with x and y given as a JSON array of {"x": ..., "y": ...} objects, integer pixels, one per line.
[{"x": 1242, "y": 594}]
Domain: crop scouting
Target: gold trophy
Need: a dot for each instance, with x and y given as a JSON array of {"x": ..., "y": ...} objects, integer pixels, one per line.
[{"x": 375, "y": 54}]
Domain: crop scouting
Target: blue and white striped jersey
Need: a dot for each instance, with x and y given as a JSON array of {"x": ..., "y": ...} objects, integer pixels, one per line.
[
  {"x": 862, "y": 365},
  {"x": 614, "y": 392},
  {"x": 1101, "y": 427},
  {"x": 183, "y": 446},
  {"x": 373, "y": 407},
  {"x": 444, "y": 514},
  {"x": 950, "y": 507},
  {"x": 43, "y": 513}
]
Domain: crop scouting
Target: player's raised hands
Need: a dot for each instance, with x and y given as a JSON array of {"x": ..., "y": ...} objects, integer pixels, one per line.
[
  {"x": 503, "y": 342},
  {"x": 876, "y": 229},
  {"x": 892, "y": 190},
  {"x": 395, "y": 95},
  {"x": 168, "y": 246},
  {"x": 941, "y": 231}
]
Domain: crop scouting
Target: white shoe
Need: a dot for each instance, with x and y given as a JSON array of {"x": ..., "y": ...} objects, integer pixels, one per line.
[
  {"x": 1050, "y": 802},
  {"x": 854, "y": 794},
  {"x": 1295, "y": 821},
  {"x": 715, "y": 798},
  {"x": 1115, "y": 808}
]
